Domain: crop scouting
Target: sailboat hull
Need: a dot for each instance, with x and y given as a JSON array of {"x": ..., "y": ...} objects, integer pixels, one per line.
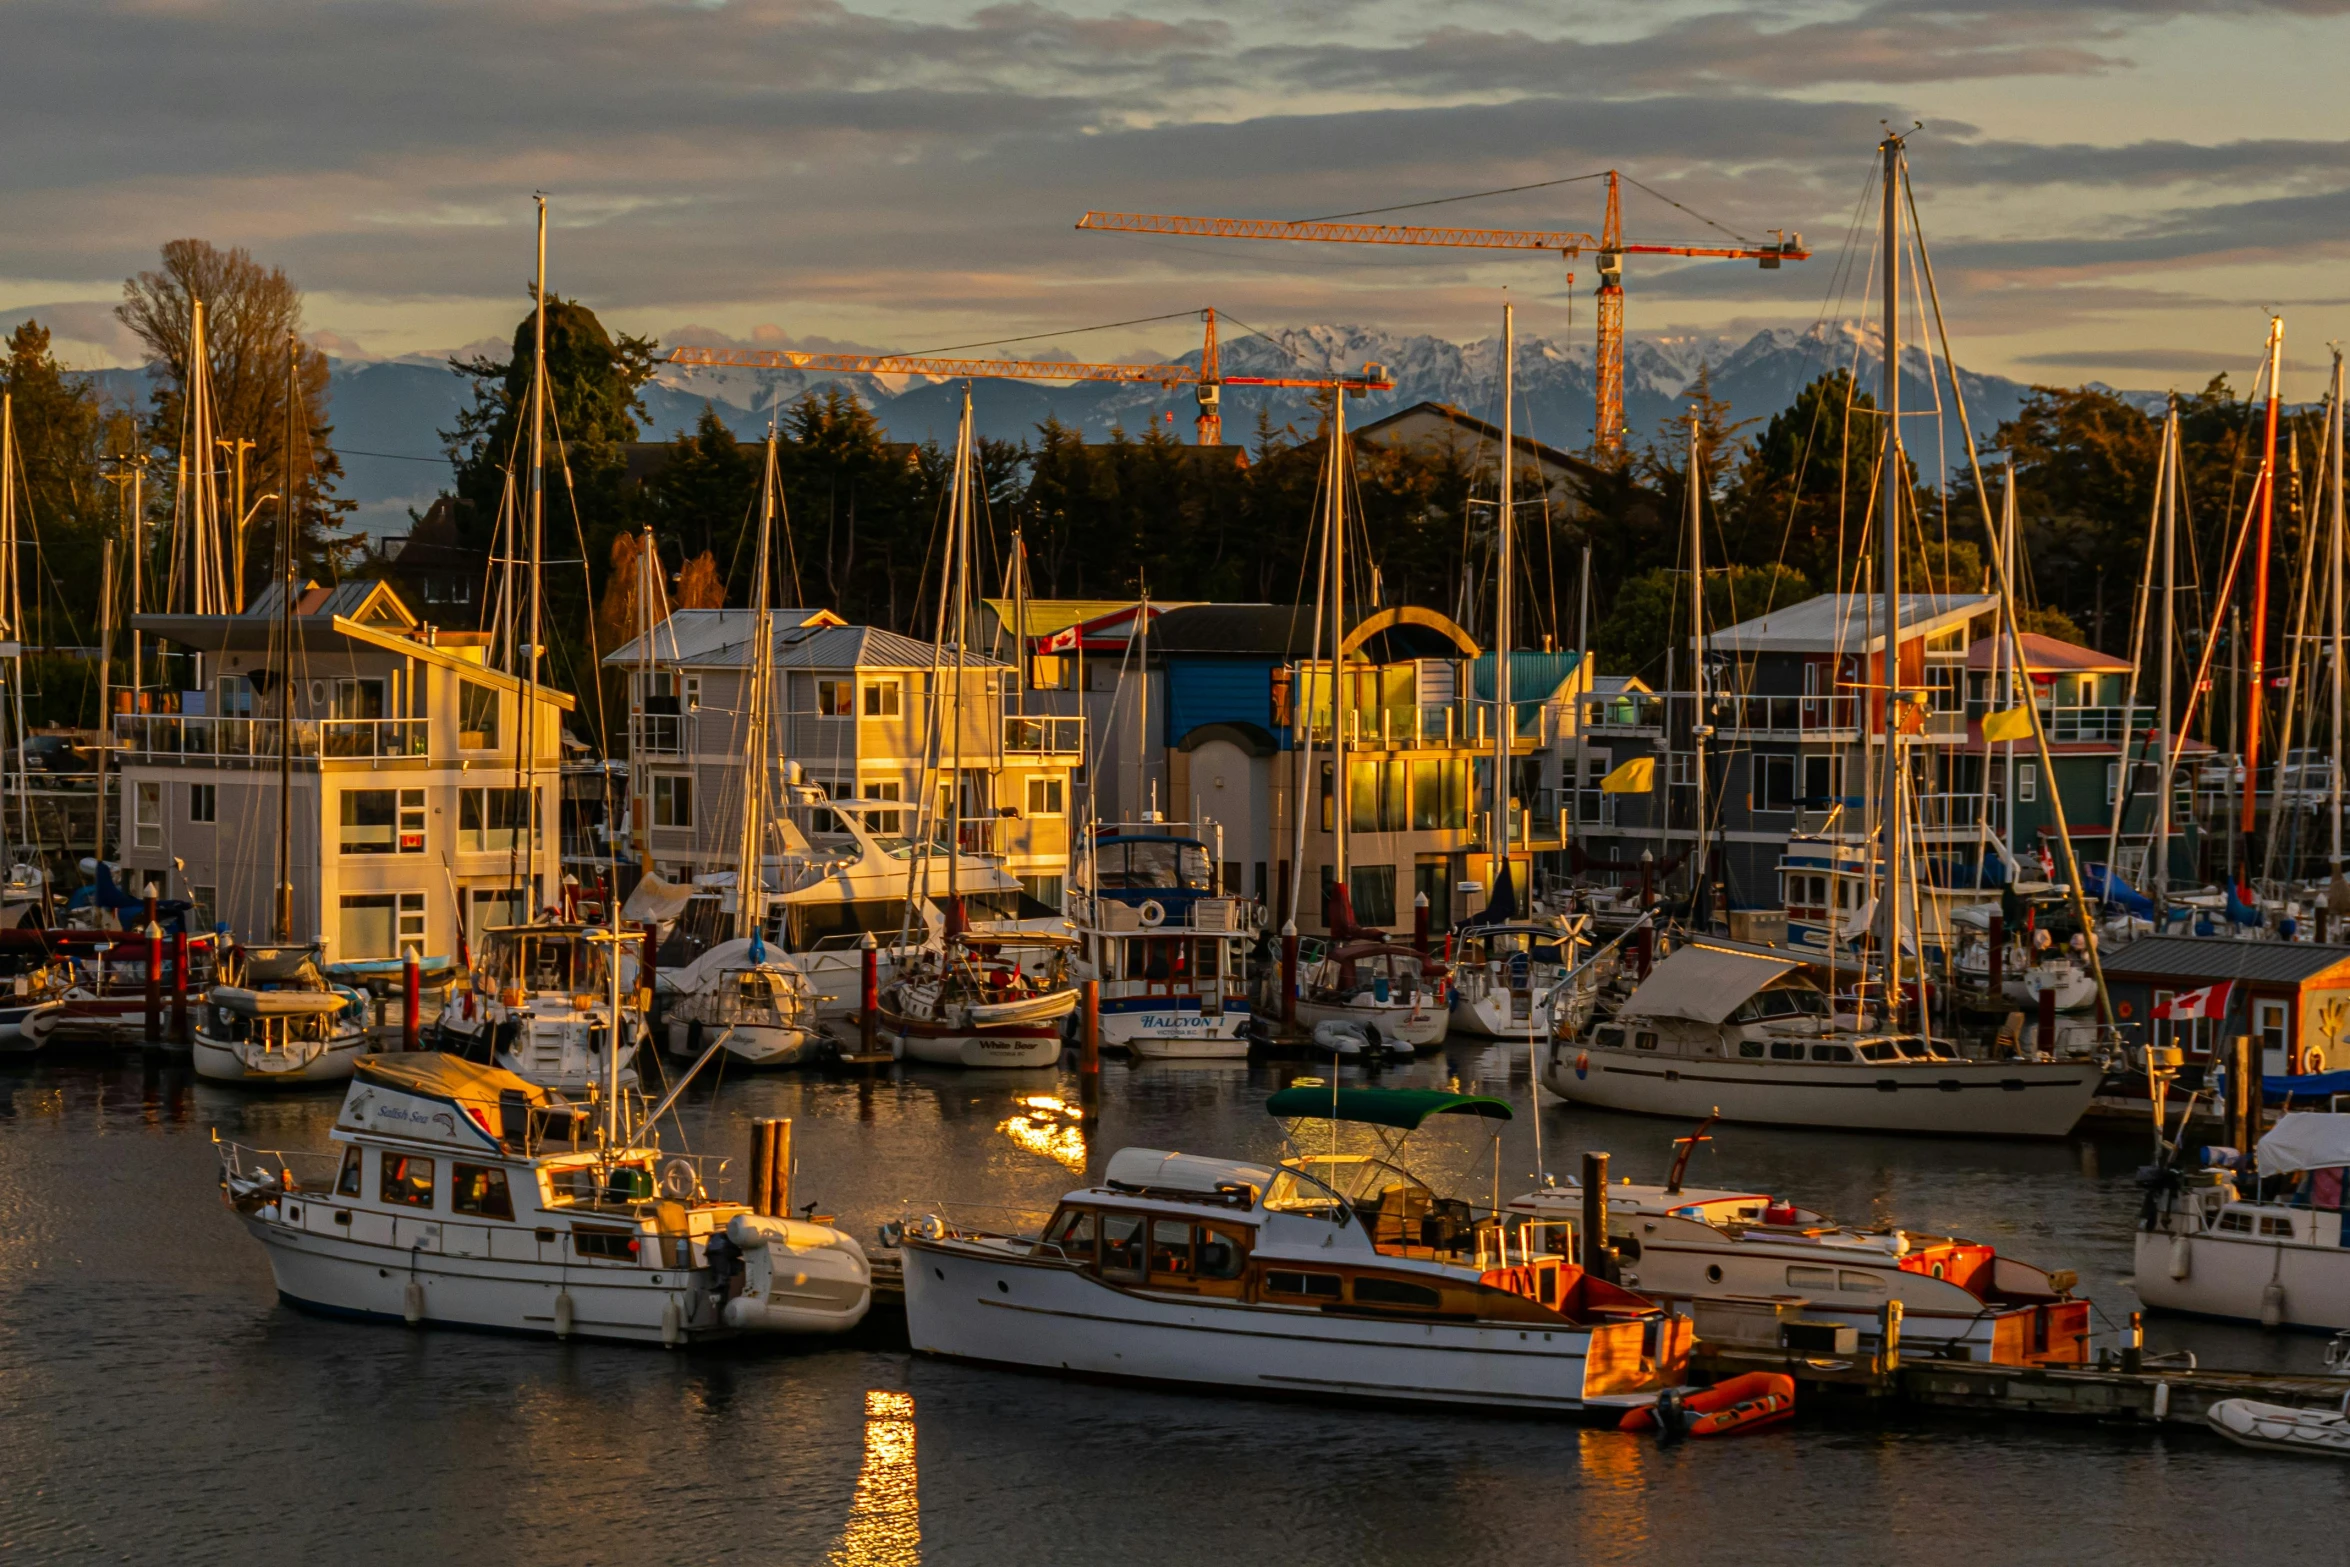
[{"x": 324, "y": 1061}]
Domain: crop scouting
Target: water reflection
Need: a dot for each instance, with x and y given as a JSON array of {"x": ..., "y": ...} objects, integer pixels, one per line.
[
  {"x": 885, "y": 1516},
  {"x": 1048, "y": 1126}
]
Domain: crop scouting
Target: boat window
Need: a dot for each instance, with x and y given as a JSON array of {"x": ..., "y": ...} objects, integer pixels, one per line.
[
  {"x": 407, "y": 1180},
  {"x": 1121, "y": 1246},
  {"x": 1867, "y": 1283},
  {"x": 2241, "y": 1223},
  {"x": 1878, "y": 1050},
  {"x": 1292, "y": 1192},
  {"x": 480, "y": 1189},
  {"x": 1831, "y": 1052},
  {"x": 1375, "y": 1291},
  {"x": 1310, "y": 1286},
  {"x": 347, "y": 1183},
  {"x": 1784, "y": 1050},
  {"x": 1171, "y": 1250},
  {"x": 2282, "y": 1227},
  {"x": 1916, "y": 1049},
  {"x": 1071, "y": 1235},
  {"x": 1802, "y": 1278},
  {"x": 1611, "y": 1039},
  {"x": 1752, "y": 1049},
  {"x": 1644, "y": 1040},
  {"x": 610, "y": 1245},
  {"x": 1219, "y": 1254},
  {"x": 573, "y": 1183}
]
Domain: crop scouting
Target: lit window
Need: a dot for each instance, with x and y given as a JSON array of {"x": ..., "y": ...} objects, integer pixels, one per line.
[
  {"x": 370, "y": 820},
  {"x": 883, "y": 821},
  {"x": 480, "y": 1189},
  {"x": 412, "y": 923},
  {"x": 1045, "y": 797},
  {"x": 490, "y": 819},
  {"x": 406, "y": 1180},
  {"x": 833, "y": 698},
  {"x": 477, "y": 717}
]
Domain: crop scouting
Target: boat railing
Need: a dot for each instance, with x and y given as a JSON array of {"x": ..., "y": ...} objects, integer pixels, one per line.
[{"x": 305, "y": 1170}]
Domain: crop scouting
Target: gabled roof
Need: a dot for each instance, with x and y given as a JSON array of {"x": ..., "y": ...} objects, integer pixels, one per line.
[
  {"x": 821, "y": 643},
  {"x": 370, "y": 602},
  {"x": 688, "y": 634},
  {"x": 1046, "y": 616},
  {"x": 1534, "y": 677},
  {"x": 1843, "y": 623},
  {"x": 2048, "y": 656}
]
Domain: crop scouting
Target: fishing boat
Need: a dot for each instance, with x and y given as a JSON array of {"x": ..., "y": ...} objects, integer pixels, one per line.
[
  {"x": 2272, "y": 1253},
  {"x": 461, "y": 1195},
  {"x": 1170, "y": 950},
  {"x": 972, "y": 1002},
  {"x": 1729, "y": 1027},
  {"x": 1736, "y": 1253},
  {"x": 1393, "y": 993},
  {"x": 279, "y": 1021},
  {"x": 1328, "y": 1276}
]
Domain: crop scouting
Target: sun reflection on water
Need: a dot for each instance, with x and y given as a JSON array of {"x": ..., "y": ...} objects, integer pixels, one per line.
[
  {"x": 885, "y": 1517},
  {"x": 1051, "y": 1127}
]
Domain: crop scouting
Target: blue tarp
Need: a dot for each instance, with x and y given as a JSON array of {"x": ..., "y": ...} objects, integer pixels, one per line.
[
  {"x": 2240, "y": 912},
  {"x": 2100, "y": 883},
  {"x": 2301, "y": 1090}
]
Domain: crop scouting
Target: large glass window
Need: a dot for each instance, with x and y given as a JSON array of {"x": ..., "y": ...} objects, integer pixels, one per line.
[
  {"x": 1122, "y": 1246},
  {"x": 371, "y": 820},
  {"x": 407, "y": 1180},
  {"x": 477, "y": 716},
  {"x": 1071, "y": 1235},
  {"x": 481, "y": 1190},
  {"x": 490, "y": 819},
  {"x": 833, "y": 698},
  {"x": 1372, "y": 889}
]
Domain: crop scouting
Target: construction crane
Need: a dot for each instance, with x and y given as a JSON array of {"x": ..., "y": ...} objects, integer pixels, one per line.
[
  {"x": 1208, "y": 380},
  {"x": 1608, "y": 246}
]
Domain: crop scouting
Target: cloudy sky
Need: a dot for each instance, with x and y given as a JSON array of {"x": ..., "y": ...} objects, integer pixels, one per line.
[{"x": 2112, "y": 191}]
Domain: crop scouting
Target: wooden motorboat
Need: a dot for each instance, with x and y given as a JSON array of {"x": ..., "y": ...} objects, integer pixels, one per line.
[{"x": 975, "y": 1003}]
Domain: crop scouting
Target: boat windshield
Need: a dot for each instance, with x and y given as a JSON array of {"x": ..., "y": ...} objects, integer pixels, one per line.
[
  {"x": 557, "y": 960},
  {"x": 1359, "y": 1178},
  {"x": 1153, "y": 863},
  {"x": 898, "y": 847},
  {"x": 1295, "y": 1191}
]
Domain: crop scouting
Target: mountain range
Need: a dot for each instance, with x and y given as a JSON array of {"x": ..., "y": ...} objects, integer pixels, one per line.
[{"x": 388, "y": 413}]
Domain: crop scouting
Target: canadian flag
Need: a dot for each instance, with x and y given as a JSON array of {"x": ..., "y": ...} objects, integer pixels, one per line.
[
  {"x": 2210, "y": 1001},
  {"x": 1061, "y": 641}
]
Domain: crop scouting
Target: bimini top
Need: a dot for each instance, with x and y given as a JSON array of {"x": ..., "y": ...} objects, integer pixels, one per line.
[
  {"x": 1402, "y": 1108},
  {"x": 1706, "y": 980},
  {"x": 2306, "y": 1140}
]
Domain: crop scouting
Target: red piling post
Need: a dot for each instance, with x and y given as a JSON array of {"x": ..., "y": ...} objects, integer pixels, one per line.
[
  {"x": 1289, "y": 974},
  {"x": 154, "y": 975},
  {"x": 869, "y": 999},
  {"x": 1089, "y": 1050},
  {"x": 179, "y": 988},
  {"x": 411, "y": 1000}
]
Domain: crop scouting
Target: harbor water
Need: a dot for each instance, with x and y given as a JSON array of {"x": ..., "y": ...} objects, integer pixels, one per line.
[{"x": 157, "y": 1403}]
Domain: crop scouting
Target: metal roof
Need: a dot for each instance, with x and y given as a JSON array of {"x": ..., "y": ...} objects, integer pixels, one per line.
[
  {"x": 709, "y": 643},
  {"x": 2222, "y": 957},
  {"x": 2045, "y": 655},
  {"x": 1534, "y": 676},
  {"x": 1840, "y": 622},
  {"x": 1264, "y": 630}
]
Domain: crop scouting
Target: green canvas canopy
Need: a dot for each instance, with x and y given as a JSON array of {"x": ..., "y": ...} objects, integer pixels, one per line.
[{"x": 1402, "y": 1108}]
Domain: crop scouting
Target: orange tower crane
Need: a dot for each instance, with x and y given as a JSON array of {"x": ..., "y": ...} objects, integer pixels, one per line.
[
  {"x": 1608, "y": 246},
  {"x": 1207, "y": 379}
]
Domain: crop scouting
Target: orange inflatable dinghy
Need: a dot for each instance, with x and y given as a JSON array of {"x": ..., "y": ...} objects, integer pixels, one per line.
[{"x": 1756, "y": 1399}]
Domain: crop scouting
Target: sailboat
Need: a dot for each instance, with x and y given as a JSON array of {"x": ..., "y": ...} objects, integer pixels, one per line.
[
  {"x": 535, "y": 1002},
  {"x": 763, "y": 1006},
  {"x": 994, "y": 998}
]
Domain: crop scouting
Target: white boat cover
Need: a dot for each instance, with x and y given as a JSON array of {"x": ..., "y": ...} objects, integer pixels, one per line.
[
  {"x": 654, "y": 900},
  {"x": 278, "y": 1003},
  {"x": 1705, "y": 980},
  {"x": 2306, "y": 1140}
]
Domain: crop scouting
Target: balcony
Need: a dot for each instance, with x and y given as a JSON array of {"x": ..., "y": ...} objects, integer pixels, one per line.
[
  {"x": 1043, "y": 735},
  {"x": 656, "y": 734},
  {"x": 154, "y": 736},
  {"x": 2072, "y": 725},
  {"x": 1958, "y": 813}
]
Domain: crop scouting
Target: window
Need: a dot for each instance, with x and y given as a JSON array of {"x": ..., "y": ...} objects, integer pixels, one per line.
[
  {"x": 412, "y": 923},
  {"x": 1750, "y": 1049},
  {"x": 406, "y": 1180},
  {"x": 691, "y": 685},
  {"x": 1218, "y": 1255},
  {"x": 147, "y": 816},
  {"x": 2113, "y": 782},
  {"x": 1396, "y": 1292},
  {"x": 347, "y": 1183},
  {"x": 490, "y": 819},
  {"x": 370, "y": 820},
  {"x": 496, "y": 908},
  {"x": 477, "y": 717},
  {"x": 2238, "y": 1222},
  {"x": 1680, "y": 768},
  {"x": 881, "y": 698},
  {"x": 1819, "y": 781},
  {"x": 1644, "y": 1040},
  {"x": 1051, "y": 891},
  {"x": 1171, "y": 1251},
  {"x": 589, "y": 1240},
  {"x": 1071, "y": 1235},
  {"x": 1310, "y": 1286},
  {"x": 359, "y": 699},
  {"x": 883, "y": 822},
  {"x": 1372, "y": 890},
  {"x": 1329, "y": 789},
  {"x": 480, "y": 1189},
  {"x": 1786, "y": 1050},
  {"x": 1122, "y": 1247},
  {"x": 1802, "y": 1278},
  {"x": 1046, "y": 796},
  {"x": 368, "y": 922},
  {"x": 673, "y": 801},
  {"x": 1831, "y": 1052},
  {"x": 1774, "y": 783},
  {"x": 833, "y": 698},
  {"x": 203, "y": 802},
  {"x": 2282, "y": 1227},
  {"x": 412, "y": 821},
  {"x": 2027, "y": 781}
]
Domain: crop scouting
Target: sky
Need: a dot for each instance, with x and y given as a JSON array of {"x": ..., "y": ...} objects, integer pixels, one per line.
[{"x": 2110, "y": 192}]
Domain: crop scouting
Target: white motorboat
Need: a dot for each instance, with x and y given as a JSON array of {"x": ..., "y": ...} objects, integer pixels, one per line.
[
  {"x": 1393, "y": 993},
  {"x": 465, "y": 1196},
  {"x": 536, "y": 1006},
  {"x": 1754, "y": 1259},
  {"x": 1339, "y": 1278},
  {"x": 280, "y": 1023},
  {"x": 2279, "y": 1259},
  {"x": 765, "y": 1007},
  {"x": 1503, "y": 976},
  {"x": 1170, "y": 950},
  {"x": 974, "y": 1003},
  {"x": 2279, "y": 1428},
  {"x": 1724, "y": 1027}
]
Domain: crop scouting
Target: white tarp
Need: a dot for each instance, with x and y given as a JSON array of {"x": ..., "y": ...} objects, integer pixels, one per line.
[
  {"x": 2306, "y": 1140},
  {"x": 1705, "y": 980},
  {"x": 654, "y": 900}
]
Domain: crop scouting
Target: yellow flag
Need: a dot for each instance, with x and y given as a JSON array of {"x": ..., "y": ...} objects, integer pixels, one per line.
[
  {"x": 1638, "y": 776},
  {"x": 2014, "y": 724}
]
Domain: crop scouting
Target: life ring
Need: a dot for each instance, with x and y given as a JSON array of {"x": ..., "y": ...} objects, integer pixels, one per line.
[
  {"x": 678, "y": 1178},
  {"x": 1153, "y": 913}
]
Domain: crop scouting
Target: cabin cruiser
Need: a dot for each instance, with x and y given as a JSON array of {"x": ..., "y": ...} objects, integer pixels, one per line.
[
  {"x": 1504, "y": 975},
  {"x": 1747, "y": 1253},
  {"x": 974, "y": 1002},
  {"x": 537, "y": 1006},
  {"x": 1723, "y": 1026},
  {"x": 1336, "y": 1277},
  {"x": 2214, "y": 1245},
  {"x": 277, "y": 1020},
  {"x": 1394, "y": 993},
  {"x": 1170, "y": 950},
  {"x": 765, "y": 1008},
  {"x": 461, "y": 1195}
]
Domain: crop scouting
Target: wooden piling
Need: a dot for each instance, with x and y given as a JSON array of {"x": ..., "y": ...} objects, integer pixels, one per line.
[
  {"x": 762, "y": 1167},
  {"x": 779, "y": 1188},
  {"x": 1596, "y": 1259}
]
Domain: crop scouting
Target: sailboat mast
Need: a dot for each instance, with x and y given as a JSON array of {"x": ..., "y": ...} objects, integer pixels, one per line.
[
  {"x": 750, "y": 870},
  {"x": 1342, "y": 806},
  {"x": 526, "y": 726},
  {"x": 960, "y": 516},
  {"x": 2168, "y": 478},
  {"x": 10, "y": 629},
  {"x": 2254, "y": 688},
  {"x": 282, "y": 922},
  {"x": 1892, "y": 829},
  {"x": 1503, "y": 566},
  {"x": 2334, "y": 620},
  {"x": 1697, "y": 723}
]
